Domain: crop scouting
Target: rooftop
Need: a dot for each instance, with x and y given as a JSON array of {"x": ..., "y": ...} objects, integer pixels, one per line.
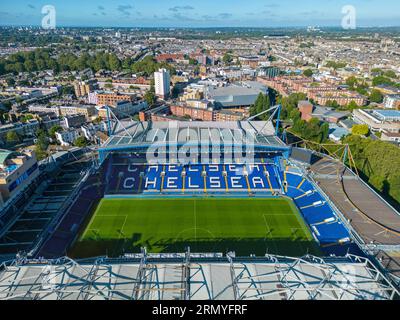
[
  {"x": 235, "y": 95},
  {"x": 383, "y": 114},
  {"x": 195, "y": 277},
  {"x": 129, "y": 133}
]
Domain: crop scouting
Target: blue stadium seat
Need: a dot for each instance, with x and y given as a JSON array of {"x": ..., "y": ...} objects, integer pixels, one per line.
[
  {"x": 194, "y": 179},
  {"x": 215, "y": 179},
  {"x": 294, "y": 192},
  {"x": 272, "y": 176},
  {"x": 307, "y": 186},
  {"x": 331, "y": 233},
  {"x": 309, "y": 200},
  {"x": 235, "y": 177},
  {"x": 319, "y": 214},
  {"x": 152, "y": 178},
  {"x": 173, "y": 180},
  {"x": 257, "y": 180},
  {"x": 293, "y": 179}
]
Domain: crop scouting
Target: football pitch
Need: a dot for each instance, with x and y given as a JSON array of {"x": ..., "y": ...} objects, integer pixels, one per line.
[{"x": 246, "y": 226}]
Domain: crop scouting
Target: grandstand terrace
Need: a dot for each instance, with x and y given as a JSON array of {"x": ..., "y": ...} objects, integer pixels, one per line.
[
  {"x": 375, "y": 222},
  {"x": 22, "y": 229},
  {"x": 372, "y": 217}
]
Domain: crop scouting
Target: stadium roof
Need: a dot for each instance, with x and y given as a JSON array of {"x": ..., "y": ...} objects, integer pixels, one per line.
[
  {"x": 174, "y": 277},
  {"x": 128, "y": 133}
]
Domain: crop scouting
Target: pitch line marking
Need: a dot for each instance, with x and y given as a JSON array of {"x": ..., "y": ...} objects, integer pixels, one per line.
[
  {"x": 269, "y": 232},
  {"x": 278, "y": 214},
  {"x": 123, "y": 226},
  {"x": 195, "y": 221}
]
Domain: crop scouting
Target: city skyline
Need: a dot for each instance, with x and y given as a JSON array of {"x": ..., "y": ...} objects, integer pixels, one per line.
[{"x": 182, "y": 13}]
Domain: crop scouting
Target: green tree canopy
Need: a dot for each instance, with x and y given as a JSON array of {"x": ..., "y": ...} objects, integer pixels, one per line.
[
  {"x": 376, "y": 96},
  {"x": 308, "y": 73},
  {"x": 360, "y": 129},
  {"x": 81, "y": 142},
  {"x": 12, "y": 137},
  {"x": 53, "y": 130}
]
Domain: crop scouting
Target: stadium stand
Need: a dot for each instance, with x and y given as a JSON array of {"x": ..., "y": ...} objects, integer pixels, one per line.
[{"x": 67, "y": 230}]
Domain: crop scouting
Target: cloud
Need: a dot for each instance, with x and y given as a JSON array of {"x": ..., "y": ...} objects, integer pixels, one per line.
[
  {"x": 181, "y": 17},
  {"x": 225, "y": 15},
  {"x": 272, "y": 5},
  {"x": 179, "y": 8},
  {"x": 124, "y": 9},
  {"x": 220, "y": 16}
]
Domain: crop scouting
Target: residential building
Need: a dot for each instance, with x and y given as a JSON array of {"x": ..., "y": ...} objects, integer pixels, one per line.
[
  {"x": 393, "y": 137},
  {"x": 111, "y": 99},
  {"x": 83, "y": 88},
  {"x": 73, "y": 121},
  {"x": 124, "y": 108},
  {"x": 86, "y": 110},
  {"x": 392, "y": 101},
  {"x": 17, "y": 170},
  {"x": 162, "y": 83},
  {"x": 67, "y": 137}
]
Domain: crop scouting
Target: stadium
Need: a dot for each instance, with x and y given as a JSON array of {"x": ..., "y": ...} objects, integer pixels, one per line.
[{"x": 183, "y": 207}]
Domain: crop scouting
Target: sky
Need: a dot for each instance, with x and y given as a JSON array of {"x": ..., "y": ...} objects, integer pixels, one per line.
[{"x": 200, "y": 13}]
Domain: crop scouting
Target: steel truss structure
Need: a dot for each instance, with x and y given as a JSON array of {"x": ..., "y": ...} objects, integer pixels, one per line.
[
  {"x": 127, "y": 135},
  {"x": 195, "y": 277}
]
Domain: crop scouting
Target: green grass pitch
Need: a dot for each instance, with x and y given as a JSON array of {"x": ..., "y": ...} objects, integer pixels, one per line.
[{"x": 246, "y": 226}]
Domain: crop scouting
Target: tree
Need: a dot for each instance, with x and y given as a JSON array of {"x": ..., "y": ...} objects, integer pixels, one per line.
[
  {"x": 360, "y": 129},
  {"x": 81, "y": 142},
  {"x": 12, "y": 137},
  {"x": 261, "y": 104},
  {"x": 289, "y": 103},
  {"x": 114, "y": 63},
  {"x": 98, "y": 120},
  {"x": 26, "y": 118},
  {"x": 150, "y": 97},
  {"x": 376, "y": 96},
  {"x": 10, "y": 82},
  {"x": 352, "y": 82},
  {"x": 352, "y": 105},
  {"x": 336, "y": 65},
  {"x": 308, "y": 73},
  {"x": 7, "y": 105},
  {"x": 193, "y": 62},
  {"x": 42, "y": 142},
  {"x": 227, "y": 58},
  {"x": 383, "y": 165},
  {"x": 390, "y": 74},
  {"x": 381, "y": 80},
  {"x": 332, "y": 104},
  {"x": 324, "y": 131},
  {"x": 53, "y": 130}
]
